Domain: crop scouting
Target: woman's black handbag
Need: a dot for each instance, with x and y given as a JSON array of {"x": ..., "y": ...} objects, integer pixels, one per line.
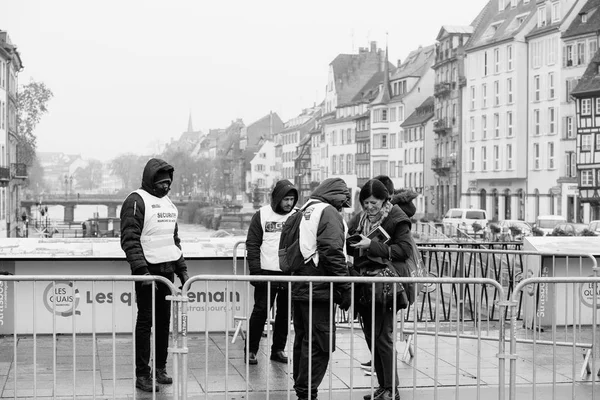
[{"x": 384, "y": 292}]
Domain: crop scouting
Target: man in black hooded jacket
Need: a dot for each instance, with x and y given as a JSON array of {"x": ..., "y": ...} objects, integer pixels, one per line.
[
  {"x": 321, "y": 237},
  {"x": 262, "y": 245},
  {"x": 151, "y": 244}
]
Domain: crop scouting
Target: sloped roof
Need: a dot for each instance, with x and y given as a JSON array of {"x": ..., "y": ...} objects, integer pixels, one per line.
[
  {"x": 590, "y": 81},
  {"x": 577, "y": 27},
  {"x": 422, "y": 113},
  {"x": 454, "y": 29},
  {"x": 416, "y": 64},
  {"x": 492, "y": 25},
  {"x": 369, "y": 91}
]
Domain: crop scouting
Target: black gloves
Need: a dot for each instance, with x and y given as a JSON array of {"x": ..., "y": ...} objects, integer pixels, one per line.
[
  {"x": 346, "y": 300},
  {"x": 183, "y": 277}
]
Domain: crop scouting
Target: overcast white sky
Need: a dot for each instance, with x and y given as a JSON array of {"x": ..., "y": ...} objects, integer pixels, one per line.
[{"x": 128, "y": 72}]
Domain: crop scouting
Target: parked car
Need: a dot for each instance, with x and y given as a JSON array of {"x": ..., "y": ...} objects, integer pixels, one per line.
[
  {"x": 570, "y": 229},
  {"x": 464, "y": 218},
  {"x": 594, "y": 226},
  {"x": 506, "y": 233},
  {"x": 546, "y": 223}
]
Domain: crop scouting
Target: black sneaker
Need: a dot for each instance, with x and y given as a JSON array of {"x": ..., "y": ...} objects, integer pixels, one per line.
[
  {"x": 163, "y": 377},
  {"x": 376, "y": 395},
  {"x": 146, "y": 384},
  {"x": 252, "y": 358},
  {"x": 279, "y": 356},
  {"x": 366, "y": 365}
]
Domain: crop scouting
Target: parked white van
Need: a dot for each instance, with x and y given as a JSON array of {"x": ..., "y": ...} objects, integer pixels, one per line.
[
  {"x": 463, "y": 218},
  {"x": 547, "y": 222}
]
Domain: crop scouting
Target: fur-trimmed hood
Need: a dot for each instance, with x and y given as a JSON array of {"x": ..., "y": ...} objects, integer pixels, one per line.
[{"x": 404, "y": 199}]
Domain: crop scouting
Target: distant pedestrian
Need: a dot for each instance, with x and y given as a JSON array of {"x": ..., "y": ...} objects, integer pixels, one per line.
[
  {"x": 262, "y": 245},
  {"x": 151, "y": 243}
]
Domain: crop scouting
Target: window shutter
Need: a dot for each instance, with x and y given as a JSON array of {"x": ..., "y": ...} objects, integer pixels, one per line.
[{"x": 564, "y": 54}]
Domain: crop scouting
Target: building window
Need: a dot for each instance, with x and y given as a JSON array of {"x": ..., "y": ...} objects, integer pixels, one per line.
[
  {"x": 536, "y": 88},
  {"x": 509, "y": 90},
  {"x": 484, "y": 127},
  {"x": 392, "y": 141},
  {"x": 472, "y": 158},
  {"x": 551, "y": 121},
  {"x": 384, "y": 114},
  {"x": 509, "y": 124},
  {"x": 509, "y": 157},
  {"x": 555, "y": 11},
  {"x": 496, "y": 61},
  {"x": 551, "y": 155},
  {"x": 348, "y": 135},
  {"x": 536, "y": 122},
  {"x": 570, "y": 164},
  {"x": 484, "y": 158},
  {"x": 485, "y": 63},
  {"x": 586, "y": 106},
  {"x": 580, "y": 53},
  {"x": 472, "y": 97},
  {"x": 568, "y": 55},
  {"x": 569, "y": 131},
  {"x": 536, "y": 156},
  {"x": 334, "y": 138},
  {"x": 393, "y": 114},
  {"x": 497, "y": 93},
  {"x": 541, "y": 16},
  {"x": 334, "y": 165},
  {"x": 341, "y": 172},
  {"x": 501, "y": 5},
  {"x": 509, "y": 58},
  {"x": 593, "y": 46},
  {"x": 553, "y": 48},
  {"x": 551, "y": 91},
  {"x": 496, "y": 158},
  {"x": 586, "y": 142},
  {"x": 392, "y": 169},
  {"x": 472, "y": 123},
  {"x": 497, "y": 125},
  {"x": 597, "y": 106},
  {"x": 587, "y": 177},
  {"x": 484, "y": 95},
  {"x": 384, "y": 144}
]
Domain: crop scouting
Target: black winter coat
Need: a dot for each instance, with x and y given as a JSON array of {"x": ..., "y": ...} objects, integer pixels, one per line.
[
  {"x": 132, "y": 222},
  {"x": 330, "y": 245}
]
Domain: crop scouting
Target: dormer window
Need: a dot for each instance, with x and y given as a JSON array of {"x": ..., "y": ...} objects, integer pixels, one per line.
[
  {"x": 513, "y": 3},
  {"x": 541, "y": 14},
  {"x": 583, "y": 18},
  {"x": 501, "y": 5}
]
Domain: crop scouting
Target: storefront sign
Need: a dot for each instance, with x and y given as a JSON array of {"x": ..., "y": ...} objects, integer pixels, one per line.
[{"x": 587, "y": 294}]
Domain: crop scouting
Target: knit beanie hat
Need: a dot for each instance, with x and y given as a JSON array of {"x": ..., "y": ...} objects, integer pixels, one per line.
[
  {"x": 373, "y": 188},
  {"x": 161, "y": 176}
]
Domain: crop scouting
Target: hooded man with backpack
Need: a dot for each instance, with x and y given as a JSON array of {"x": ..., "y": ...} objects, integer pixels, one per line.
[
  {"x": 262, "y": 244},
  {"x": 322, "y": 234}
]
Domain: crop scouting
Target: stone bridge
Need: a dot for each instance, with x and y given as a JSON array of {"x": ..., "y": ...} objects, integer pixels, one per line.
[{"x": 69, "y": 204}]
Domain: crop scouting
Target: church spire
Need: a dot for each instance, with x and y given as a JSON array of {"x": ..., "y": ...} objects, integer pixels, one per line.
[
  {"x": 383, "y": 97},
  {"x": 190, "y": 127}
]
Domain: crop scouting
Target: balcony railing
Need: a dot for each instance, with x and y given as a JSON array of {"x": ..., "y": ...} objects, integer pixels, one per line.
[
  {"x": 442, "y": 165},
  {"x": 18, "y": 170},
  {"x": 363, "y": 157},
  {"x": 363, "y": 135},
  {"x": 462, "y": 81},
  {"x": 441, "y": 126},
  {"x": 441, "y": 89}
]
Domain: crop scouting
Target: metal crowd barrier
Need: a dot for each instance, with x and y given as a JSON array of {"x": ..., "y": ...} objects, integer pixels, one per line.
[
  {"x": 458, "y": 345},
  {"x": 78, "y": 356},
  {"x": 214, "y": 373}
]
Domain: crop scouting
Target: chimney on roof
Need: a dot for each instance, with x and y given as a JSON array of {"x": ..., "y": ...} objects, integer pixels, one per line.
[
  {"x": 399, "y": 63},
  {"x": 373, "y": 47},
  {"x": 362, "y": 50}
]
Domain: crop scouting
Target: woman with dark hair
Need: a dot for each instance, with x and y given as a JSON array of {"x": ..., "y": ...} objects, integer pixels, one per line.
[{"x": 370, "y": 256}]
